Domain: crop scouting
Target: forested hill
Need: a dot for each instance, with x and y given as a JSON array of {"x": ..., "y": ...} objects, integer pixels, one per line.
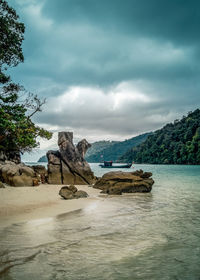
[
  {"x": 175, "y": 143},
  {"x": 98, "y": 147},
  {"x": 115, "y": 149}
]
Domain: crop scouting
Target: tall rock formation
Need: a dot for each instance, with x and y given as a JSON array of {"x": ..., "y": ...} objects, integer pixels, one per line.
[{"x": 68, "y": 166}]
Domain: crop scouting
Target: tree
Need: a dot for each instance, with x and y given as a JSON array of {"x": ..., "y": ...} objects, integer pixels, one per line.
[
  {"x": 18, "y": 133},
  {"x": 11, "y": 38},
  {"x": 177, "y": 143}
]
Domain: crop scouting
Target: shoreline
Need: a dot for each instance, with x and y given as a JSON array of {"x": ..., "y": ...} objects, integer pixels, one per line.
[{"x": 23, "y": 204}]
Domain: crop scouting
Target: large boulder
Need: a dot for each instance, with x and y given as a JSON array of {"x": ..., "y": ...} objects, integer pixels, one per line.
[
  {"x": 125, "y": 182},
  {"x": 71, "y": 192},
  {"x": 17, "y": 175},
  {"x": 68, "y": 166}
]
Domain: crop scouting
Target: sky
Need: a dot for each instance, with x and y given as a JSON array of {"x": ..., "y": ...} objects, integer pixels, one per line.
[{"x": 110, "y": 69}]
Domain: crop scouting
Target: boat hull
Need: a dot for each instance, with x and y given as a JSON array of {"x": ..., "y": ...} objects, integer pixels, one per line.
[{"x": 116, "y": 166}]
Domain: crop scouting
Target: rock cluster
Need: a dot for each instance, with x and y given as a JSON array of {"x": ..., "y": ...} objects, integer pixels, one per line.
[
  {"x": 125, "y": 182},
  {"x": 71, "y": 192},
  {"x": 13, "y": 156},
  {"x": 40, "y": 172},
  {"x": 68, "y": 166},
  {"x": 18, "y": 175}
]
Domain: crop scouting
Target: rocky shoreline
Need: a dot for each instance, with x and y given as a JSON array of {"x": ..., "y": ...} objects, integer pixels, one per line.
[
  {"x": 21, "y": 175},
  {"x": 67, "y": 170}
]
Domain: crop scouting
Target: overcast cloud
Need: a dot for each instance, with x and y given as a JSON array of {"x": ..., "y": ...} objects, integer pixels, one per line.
[{"x": 110, "y": 69}]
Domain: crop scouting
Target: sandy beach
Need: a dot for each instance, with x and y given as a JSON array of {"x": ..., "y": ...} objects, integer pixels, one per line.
[{"x": 27, "y": 203}]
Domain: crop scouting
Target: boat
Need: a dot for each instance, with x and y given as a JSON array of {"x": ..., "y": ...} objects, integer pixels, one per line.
[{"x": 109, "y": 164}]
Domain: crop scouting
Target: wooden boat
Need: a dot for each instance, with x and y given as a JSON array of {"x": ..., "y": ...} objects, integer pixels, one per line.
[{"x": 109, "y": 164}]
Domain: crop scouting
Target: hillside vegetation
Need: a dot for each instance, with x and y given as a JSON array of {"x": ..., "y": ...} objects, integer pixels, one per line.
[
  {"x": 98, "y": 147},
  {"x": 175, "y": 143},
  {"x": 115, "y": 150}
]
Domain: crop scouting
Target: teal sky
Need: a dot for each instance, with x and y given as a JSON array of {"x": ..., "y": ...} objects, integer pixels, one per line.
[{"x": 110, "y": 69}]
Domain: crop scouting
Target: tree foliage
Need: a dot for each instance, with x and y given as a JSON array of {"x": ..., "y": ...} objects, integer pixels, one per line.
[
  {"x": 113, "y": 150},
  {"x": 11, "y": 38},
  {"x": 17, "y": 130},
  {"x": 17, "y": 106},
  {"x": 175, "y": 143}
]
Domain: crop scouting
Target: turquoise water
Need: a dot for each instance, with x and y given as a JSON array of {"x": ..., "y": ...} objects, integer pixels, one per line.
[{"x": 138, "y": 236}]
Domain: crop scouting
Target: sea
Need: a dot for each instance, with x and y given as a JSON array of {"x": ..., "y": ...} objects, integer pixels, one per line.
[{"x": 151, "y": 236}]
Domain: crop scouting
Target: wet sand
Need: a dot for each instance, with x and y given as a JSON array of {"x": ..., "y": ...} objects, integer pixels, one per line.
[{"x": 27, "y": 203}]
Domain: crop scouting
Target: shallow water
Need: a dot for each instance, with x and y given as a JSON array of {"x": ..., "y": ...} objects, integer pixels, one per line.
[{"x": 138, "y": 236}]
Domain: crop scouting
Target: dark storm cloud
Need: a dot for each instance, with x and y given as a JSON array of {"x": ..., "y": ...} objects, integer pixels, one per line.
[
  {"x": 144, "y": 50},
  {"x": 176, "y": 20},
  {"x": 105, "y": 42}
]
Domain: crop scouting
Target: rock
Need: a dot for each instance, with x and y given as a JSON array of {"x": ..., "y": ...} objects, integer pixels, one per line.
[
  {"x": 41, "y": 173},
  {"x": 81, "y": 194},
  {"x": 1, "y": 185},
  {"x": 68, "y": 166},
  {"x": 146, "y": 175},
  {"x": 39, "y": 169},
  {"x": 125, "y": 182},
  {"x": 66, "y": 175},
  {"x": 83, "y": 146},
  {"x": 71, "y": 192},
  {"x": 13, "y": 156},
  {"x": 17, "y": 175},
  {"x": 53, "y": 157},
  {"x": 54, "y": 174},
  {"x": 66, "y": 193},
  {"x": 21, "y": 181},
  {"x": 7, "y": 172},
  {"x": 72, "y": 188},
  {"x": 27, "y": 171}
]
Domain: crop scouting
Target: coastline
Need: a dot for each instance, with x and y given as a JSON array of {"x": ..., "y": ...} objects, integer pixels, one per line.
[{"x": 32, "y": 203}]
